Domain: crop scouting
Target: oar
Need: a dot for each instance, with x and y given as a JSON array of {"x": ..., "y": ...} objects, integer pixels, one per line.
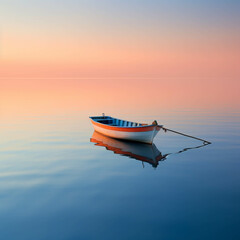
[{"x": 170, "y": 130}]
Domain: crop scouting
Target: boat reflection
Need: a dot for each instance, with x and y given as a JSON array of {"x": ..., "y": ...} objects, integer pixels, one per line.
[{"x": 139, "y": 151}]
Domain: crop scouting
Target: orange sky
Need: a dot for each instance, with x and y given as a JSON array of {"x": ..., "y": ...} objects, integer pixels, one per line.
[
  {"x": 144, "y": 55},
  {"x": 49, "y": 39},
  {"x": 24, "y": 55}
]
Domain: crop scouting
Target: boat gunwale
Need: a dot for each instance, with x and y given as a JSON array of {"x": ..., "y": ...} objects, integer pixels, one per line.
[{"x": 125, "y": 127}]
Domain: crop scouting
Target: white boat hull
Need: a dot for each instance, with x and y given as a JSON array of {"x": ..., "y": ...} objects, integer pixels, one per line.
[{"x": 139, "y": 134}]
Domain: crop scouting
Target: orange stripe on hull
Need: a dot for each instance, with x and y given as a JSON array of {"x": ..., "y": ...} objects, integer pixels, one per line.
[{"x": 126, "y": 129}]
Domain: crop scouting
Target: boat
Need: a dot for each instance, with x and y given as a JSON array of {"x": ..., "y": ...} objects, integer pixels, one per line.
[
  {"x": 136, "y": 150},
  {"x": 126, "y": 130}
]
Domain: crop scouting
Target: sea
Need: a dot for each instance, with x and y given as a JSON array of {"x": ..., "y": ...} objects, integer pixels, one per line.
[{"x": 60, "y": 180}]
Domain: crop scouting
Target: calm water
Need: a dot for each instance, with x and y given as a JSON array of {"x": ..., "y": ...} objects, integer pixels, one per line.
[{"x": 56, "y": 184}]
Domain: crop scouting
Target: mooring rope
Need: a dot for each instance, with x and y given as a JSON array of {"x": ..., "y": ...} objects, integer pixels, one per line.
[{"x": 170, "y": 130}]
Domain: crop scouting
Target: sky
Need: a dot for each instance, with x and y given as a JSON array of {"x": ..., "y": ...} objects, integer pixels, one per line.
[{"x": 84, "y": 49}]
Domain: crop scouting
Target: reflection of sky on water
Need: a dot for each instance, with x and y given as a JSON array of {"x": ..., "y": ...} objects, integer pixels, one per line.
[{"x": 56, "y": 184}]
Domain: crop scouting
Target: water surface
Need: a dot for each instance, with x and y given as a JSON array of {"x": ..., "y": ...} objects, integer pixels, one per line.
[{"x": 57, "y": 184}]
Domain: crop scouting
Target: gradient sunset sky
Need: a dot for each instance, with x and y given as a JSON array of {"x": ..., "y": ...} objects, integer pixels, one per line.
[{"x": 171, "y": 52}]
